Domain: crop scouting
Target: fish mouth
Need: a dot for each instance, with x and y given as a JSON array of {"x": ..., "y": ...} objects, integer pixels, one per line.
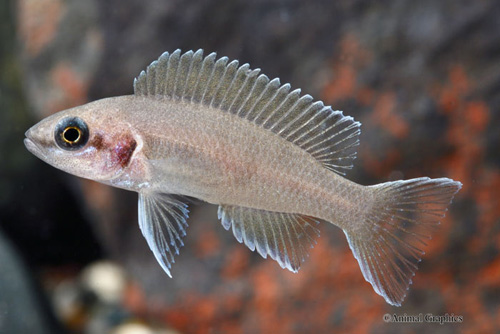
[{"x": 32, "y": 146}]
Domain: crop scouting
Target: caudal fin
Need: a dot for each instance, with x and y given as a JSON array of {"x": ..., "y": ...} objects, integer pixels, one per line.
[{"x": 388, "y": 246}]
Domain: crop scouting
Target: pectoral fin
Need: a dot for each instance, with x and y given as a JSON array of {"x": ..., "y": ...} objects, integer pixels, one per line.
[
  {"x": 285, "y": 237},
  {"x": 162, "y": 220}
]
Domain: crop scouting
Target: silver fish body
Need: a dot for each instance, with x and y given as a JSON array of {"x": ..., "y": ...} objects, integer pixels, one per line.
[
  {"x": 200, "y": 152},
  {"x": 271, "y": 158}
]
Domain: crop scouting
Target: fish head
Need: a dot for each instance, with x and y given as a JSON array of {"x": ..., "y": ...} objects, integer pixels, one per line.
[{"x": 88, "y": 141}]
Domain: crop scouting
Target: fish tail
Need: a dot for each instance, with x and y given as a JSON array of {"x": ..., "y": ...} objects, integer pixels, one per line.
[{"x": 388, "y": 245}]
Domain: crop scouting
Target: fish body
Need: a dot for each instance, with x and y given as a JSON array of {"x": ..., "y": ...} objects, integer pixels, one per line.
[
  {"x": 203, "y": 153},
  {"x": 271, "y": 158}
]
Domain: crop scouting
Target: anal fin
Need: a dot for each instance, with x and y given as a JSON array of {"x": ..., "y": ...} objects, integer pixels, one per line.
[{"x": 285, "y": 237}]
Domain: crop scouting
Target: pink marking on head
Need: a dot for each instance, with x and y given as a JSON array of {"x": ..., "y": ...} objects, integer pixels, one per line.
[{"x": 122, "y": 152}]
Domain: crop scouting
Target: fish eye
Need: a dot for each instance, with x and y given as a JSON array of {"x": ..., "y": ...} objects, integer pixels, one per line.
[{"x": 71, "y": 133}]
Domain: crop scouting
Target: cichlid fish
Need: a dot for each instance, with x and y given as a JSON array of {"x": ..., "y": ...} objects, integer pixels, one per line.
[{"x": 270, "y": 158}]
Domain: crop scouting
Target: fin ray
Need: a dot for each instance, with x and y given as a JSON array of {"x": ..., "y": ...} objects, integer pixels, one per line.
[
  {"x": 388, "y": 247},
  {"x": 285, "y": 237},
  {"x": 185, "y": 62},
  {"x": 162, "y": 220},
  {"x": 329, "y": 136}
]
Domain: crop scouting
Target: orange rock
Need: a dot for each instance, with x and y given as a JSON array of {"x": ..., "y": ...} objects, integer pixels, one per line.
[{"x": 39, "y": 22}]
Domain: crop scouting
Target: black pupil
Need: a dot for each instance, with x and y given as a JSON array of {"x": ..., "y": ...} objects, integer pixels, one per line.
[{"x": 71, "y": 135}]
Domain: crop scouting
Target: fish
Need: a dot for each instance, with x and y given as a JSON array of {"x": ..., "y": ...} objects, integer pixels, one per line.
[{"x": 274, "y": 160}]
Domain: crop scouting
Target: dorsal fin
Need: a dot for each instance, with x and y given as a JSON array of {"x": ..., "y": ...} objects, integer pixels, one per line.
[{"x": 329, "y": 136}]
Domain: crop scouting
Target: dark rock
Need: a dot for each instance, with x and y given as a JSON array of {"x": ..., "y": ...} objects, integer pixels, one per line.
[{"x": 23, "y": 307}]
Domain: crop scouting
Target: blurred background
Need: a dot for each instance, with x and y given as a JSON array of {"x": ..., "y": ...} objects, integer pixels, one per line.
[{"x": 422, "y": 77}]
